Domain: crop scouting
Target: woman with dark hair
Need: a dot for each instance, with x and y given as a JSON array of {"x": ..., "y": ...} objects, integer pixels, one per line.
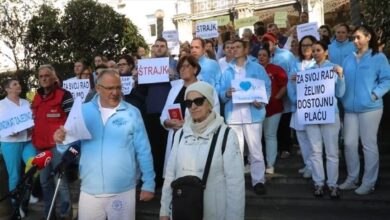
[
  {"x": 325, "y": 33},
  {"x": 341, "y": 46},
  {"x": 189, "y": 68},
  {"x": 274, "y": 108},
  {"x": 305, "y": 61},
  {"x": 326, "y": 135},
  {"x": 367, "y": 79}
]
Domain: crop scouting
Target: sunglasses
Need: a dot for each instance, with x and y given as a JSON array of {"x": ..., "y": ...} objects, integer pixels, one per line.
[{"x": 198, "y": 102}]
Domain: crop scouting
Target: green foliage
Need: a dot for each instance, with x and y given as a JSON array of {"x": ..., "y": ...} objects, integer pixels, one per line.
[{"x": 375, "y": 15}]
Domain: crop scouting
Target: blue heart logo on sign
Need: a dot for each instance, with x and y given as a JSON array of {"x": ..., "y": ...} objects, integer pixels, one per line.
[{"x": 245, "y": 85}]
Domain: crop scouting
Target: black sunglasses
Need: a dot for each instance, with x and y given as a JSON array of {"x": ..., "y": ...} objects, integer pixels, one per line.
[{"x": 198, "y": 102}]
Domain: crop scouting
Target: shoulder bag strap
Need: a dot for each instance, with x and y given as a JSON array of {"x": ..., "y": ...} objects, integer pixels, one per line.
[
  {"x": 225, "y": 139},
  {"x": 209, "y": 158}
]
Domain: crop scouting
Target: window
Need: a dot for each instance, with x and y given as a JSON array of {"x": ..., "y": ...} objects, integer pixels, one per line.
[{"x": 152, "y": 30}]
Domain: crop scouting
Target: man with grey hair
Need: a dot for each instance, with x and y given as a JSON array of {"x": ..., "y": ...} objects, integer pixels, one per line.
[
  {"x": 50, "y": 108},
  {"x": 109, "y": 160}
]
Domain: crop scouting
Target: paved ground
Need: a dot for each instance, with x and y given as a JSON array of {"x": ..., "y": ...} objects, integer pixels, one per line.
[{"x": 290, "y": 197}]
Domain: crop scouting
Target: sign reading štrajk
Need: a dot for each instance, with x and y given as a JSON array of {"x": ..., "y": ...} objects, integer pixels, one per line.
[
  {"x": 316, "y": 96},
  {"x": 78, "y": 87},
  {"x": 248, "y": 90},
  {"x": 14, "y": 121},
  {"x": 155, "y": 70},
  {"x": 207, "y": 30}
]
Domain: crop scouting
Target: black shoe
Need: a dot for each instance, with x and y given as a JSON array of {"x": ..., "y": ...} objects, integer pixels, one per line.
[
  {"x": 260, "y": 189},
  {"x": 318, "y": 191},
  {"x": 334, "y": 192}
]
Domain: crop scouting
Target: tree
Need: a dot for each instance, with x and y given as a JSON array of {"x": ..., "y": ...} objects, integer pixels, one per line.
[
  {"x": 92, "y": 28},
  {"x": 45, "y": 39},
  {"x": 375, "y": 15},
  {"x": 13, "y": 21}
]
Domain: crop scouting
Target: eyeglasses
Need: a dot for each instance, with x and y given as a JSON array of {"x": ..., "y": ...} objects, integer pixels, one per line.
[
  {"x": 117, "y": 88},
  {"x": 198, "y": 102}
]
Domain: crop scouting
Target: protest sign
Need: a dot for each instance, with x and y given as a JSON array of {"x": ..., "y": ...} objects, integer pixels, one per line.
[
  {"x": 280, "y": 19},
  {"x": 155, "y": 70},
  {"x": 207, "y": 30},
  {"x": 75, "y": 126},
  {"x": 172, "y": 38},
  {"x": 249, "y": 90},
  {"x": 127, "y": 84},
  {"x": 16, "y": 120},
  {"x": 78, "y": 87},
  {"x": 245, "y": 22},
  {"x": 315, "y": 96},
  {"x": 308, "y": 29},
  {"x": 221, "y": 20}
]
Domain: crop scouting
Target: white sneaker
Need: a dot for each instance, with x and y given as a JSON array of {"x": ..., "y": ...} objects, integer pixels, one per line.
[
  {"x": 270, "y": 170},
  {"x": 33, "y": 199},
  {"x": 347, "y": 185},
  {"x": 302, "y": 170},
  {"x": 307, "y": 174},
  {"x": 364, "y": 190},
  {"x": 21, "y": 212}
]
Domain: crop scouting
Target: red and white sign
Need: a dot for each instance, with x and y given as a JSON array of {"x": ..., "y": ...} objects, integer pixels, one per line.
[{"x": 155, "y": 70}]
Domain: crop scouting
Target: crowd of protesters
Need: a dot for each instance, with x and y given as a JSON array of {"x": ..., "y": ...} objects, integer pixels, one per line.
[{"x": 134, "y": 132}]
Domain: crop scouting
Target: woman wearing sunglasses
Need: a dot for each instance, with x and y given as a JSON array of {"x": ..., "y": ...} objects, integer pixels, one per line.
[
  {"x": 224, "y": 195},
  {"x": 246, "y": 119},
  {"x": 189, "y": 68}
]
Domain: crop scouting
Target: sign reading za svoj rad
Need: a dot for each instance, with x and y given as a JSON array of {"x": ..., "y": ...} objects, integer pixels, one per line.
[
  {"x": 78, "y": 87},
  {"x": 155, "y": 70},
  {"x": 316, "y": 100},
  {"x": 12, "y": 122},
  {"x": 247, "y": 90}
]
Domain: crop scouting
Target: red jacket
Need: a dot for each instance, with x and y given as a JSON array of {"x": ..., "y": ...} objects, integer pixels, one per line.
[
  {"x": 48, "y": 117},
  {"x": 278, "y": 80}
]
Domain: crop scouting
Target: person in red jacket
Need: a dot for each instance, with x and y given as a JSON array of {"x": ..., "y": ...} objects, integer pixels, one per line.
[
  {"x": 50, "y": 108},
  {"x": 274, "y": 109}
]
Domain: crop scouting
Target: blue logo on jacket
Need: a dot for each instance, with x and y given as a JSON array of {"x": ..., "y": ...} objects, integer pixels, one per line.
[{"x": 119, "y": 122}]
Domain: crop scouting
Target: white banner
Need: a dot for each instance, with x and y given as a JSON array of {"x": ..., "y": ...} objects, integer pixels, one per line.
[
  {"x": 16, "y": 120},
  {"x": 153, "y": 70},
  {"x": 207, "y": 30},
  {"x": 316, "y": 102},
  {"x": 78, "y": 87},
  {"x": 75, "y": 126},
  {"x": 249, "y": 90},
  {"x": 127, "y": 84},
  {"x": 308, "y": 29}
]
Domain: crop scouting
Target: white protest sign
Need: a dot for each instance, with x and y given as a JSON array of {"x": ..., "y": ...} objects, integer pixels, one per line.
[
  {"x": 171, "y": 35},
  {"x": 78, "y": 87},
  {"x": 127, "y": 84},
  {"x": 308, "y": 29},
  {"x": 207, "y": 30},
  {"x": 316, "y": 103},
  {"x": 172, "y": 38},
  {"x": 75, "y": 126},
  {"x": 153, "y": 70},
  {"x": 15, "y": 120},
  {"x": 249, "y": 90}
]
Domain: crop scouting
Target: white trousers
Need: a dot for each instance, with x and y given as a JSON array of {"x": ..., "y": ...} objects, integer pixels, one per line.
[
  {"x": 305, "y": 146},
  {"x": 364, "y": 125},
  {"x": 327, "y": 134},
  {"x": 252, "y": 134},
  {"x": 117, "y": 207}
]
